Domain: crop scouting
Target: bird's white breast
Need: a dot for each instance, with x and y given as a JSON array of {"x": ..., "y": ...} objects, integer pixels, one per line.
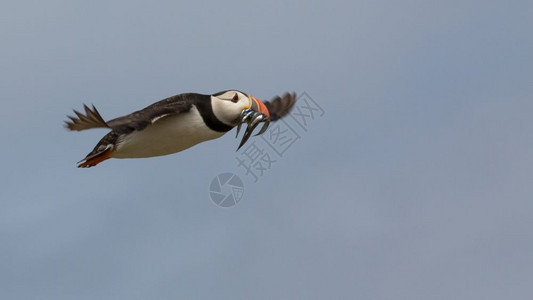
[{"x": 167, "y": 135}]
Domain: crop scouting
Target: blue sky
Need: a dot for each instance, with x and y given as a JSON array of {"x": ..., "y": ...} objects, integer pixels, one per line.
[{"x": 414, "y": 184}]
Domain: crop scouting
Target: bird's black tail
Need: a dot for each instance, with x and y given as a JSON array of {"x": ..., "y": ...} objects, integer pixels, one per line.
[{"x": 91, "y": 119}]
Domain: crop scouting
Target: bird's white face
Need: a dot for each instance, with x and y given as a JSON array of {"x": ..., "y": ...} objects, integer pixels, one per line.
[{"x": 228, "y": 105}]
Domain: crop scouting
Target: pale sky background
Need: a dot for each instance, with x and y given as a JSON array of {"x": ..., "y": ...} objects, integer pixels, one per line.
[{"x": 415, "y": 184}]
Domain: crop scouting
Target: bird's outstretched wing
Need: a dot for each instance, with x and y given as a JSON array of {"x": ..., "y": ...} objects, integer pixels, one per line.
[
  {"x": 280, "y": 106},
  {"x": 140, "y": 119}
]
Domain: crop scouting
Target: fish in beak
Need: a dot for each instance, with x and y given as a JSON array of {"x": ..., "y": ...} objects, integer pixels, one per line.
[{"x": 252, "y": 116}]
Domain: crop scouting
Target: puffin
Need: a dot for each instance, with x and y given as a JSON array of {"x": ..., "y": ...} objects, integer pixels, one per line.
[{"x": 177, "y": 123}]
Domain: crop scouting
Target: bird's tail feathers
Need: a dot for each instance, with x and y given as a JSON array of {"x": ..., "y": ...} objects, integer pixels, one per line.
[{"x": 91, "y": 119}]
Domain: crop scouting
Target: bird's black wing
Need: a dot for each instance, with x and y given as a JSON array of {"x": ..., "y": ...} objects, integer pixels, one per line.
[
  {"x": 140, "y": 119},
  {"x": 280, "y": 106}
]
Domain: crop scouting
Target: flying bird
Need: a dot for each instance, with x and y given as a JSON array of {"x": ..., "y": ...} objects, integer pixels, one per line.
[{"x": 178, "y": 123}]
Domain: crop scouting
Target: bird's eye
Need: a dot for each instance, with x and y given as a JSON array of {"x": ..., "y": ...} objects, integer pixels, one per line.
[{"x": 235, "y": 98}]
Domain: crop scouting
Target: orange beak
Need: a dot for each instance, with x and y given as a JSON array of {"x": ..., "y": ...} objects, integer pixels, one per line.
[
  {"x": 259, "y": 106},
  {"x": 255, "y": 114}
]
